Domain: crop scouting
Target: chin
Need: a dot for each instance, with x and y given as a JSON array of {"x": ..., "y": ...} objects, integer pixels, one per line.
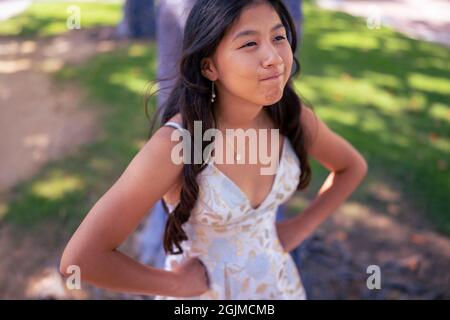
[
  {"x": 269, "y": 98},
  {"x": 273, "y": 100}
]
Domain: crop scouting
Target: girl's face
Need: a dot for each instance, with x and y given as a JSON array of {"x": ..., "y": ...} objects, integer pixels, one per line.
[{"x": 254, "y": 48}]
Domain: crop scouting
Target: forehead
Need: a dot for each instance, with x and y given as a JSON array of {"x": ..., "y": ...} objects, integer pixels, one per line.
[{"x": 259, "y": 17}]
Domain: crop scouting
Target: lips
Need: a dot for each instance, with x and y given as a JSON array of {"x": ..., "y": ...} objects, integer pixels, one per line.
[{"x": 272, "y": 77}]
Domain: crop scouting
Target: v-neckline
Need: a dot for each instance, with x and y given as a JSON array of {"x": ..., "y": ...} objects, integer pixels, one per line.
[{"x": 242, "y": 193}]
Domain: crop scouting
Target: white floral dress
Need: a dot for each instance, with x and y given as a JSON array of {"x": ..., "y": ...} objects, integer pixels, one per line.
[{"x": 239, "y": 244}]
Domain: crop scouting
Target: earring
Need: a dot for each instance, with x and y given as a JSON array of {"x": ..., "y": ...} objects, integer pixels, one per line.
[{"x": 213, "y": 96}]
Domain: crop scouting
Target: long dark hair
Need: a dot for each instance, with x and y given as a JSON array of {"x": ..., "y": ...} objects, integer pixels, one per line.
[{"x": 205, "y": 27}]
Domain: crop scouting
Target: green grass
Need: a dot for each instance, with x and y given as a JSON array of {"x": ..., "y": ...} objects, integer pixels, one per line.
[
  {"x": 47, "y": 18},
  {"x": 388, "y": 95},
  {"x": 385, "y": 93}
]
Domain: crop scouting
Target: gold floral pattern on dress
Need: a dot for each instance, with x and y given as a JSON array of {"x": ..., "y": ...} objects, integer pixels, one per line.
[{"x": 239, "y": 244}]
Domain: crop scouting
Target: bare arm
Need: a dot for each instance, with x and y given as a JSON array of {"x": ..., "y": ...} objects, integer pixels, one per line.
[
  {"x": 93, "y": 247},
  {"x": 348, "y": 168}
]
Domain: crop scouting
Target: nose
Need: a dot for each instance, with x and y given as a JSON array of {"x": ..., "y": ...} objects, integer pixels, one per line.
[{"x": 271, "y": 56}]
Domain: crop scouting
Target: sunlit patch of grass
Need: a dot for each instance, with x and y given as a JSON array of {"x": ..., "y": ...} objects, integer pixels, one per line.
[
  {"x": 334, "y": 40},
  {"x": 56, "y": 186},
  {"x": 134, "y": 84},
  {"x": 440, "y": 111},
  {"x": 429, "y": 83},
  {"x": 47, "y": 18}
]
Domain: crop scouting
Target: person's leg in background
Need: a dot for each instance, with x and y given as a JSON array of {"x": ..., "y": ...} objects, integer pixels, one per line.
[
  {"x": 138, "y": 20},
  {"x": 170, "y": 19},
  {"x": 295, "y": 9}
]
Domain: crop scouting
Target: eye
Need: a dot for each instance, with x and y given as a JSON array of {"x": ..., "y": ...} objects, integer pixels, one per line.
[
  {"x": 248, "y": 44},
  {"x": 278, "y": 38}
]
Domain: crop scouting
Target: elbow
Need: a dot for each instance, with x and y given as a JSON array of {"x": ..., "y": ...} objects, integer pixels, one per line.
[
  {"x": 67, "y": 262},
  {"x": 77, "y": 259},
  {"x": 72, "y": 261},
  {"x": 358, "y": 168},
  {"x": 363, "y": 167}
]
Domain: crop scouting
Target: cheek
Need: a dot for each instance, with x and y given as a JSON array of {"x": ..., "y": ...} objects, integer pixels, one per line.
[
  {"x": 288, "y": 62},
  {"x": 243, "y": 68},
  {"x": 238, "y": 73}
]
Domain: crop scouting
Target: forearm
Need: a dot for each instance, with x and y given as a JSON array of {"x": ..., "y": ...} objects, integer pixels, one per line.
[
  {"x": 334, "y": 191},
  {"x": 116, "y": 271}
]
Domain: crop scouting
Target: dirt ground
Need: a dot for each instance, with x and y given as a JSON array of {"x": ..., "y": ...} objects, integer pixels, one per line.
[
  {"x": 413, "y": 259},
  {"x": 31, "y": 101},
  {"x": 39, "y": 123}
]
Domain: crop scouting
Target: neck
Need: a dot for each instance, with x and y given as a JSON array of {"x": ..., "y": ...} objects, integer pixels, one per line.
[{"x": 236, "y": 113}]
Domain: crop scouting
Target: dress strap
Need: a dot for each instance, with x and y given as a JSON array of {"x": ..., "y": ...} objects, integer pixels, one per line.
[{"x": 173, "y": 125}]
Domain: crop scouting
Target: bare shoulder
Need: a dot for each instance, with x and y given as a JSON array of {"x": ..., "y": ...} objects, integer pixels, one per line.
[
  {"x": 153, "y": 163},
  {"x": 177, "y": 118},
  {"x": 161, "y": 142},
  {"x": 159, "y": 147}
]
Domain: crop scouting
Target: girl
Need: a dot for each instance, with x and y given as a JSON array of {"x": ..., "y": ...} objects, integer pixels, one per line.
[{"x": 221, "y": 238}]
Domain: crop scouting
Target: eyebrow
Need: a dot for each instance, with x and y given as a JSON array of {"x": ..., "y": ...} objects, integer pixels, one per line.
[{"x": 250, "y": 32}]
